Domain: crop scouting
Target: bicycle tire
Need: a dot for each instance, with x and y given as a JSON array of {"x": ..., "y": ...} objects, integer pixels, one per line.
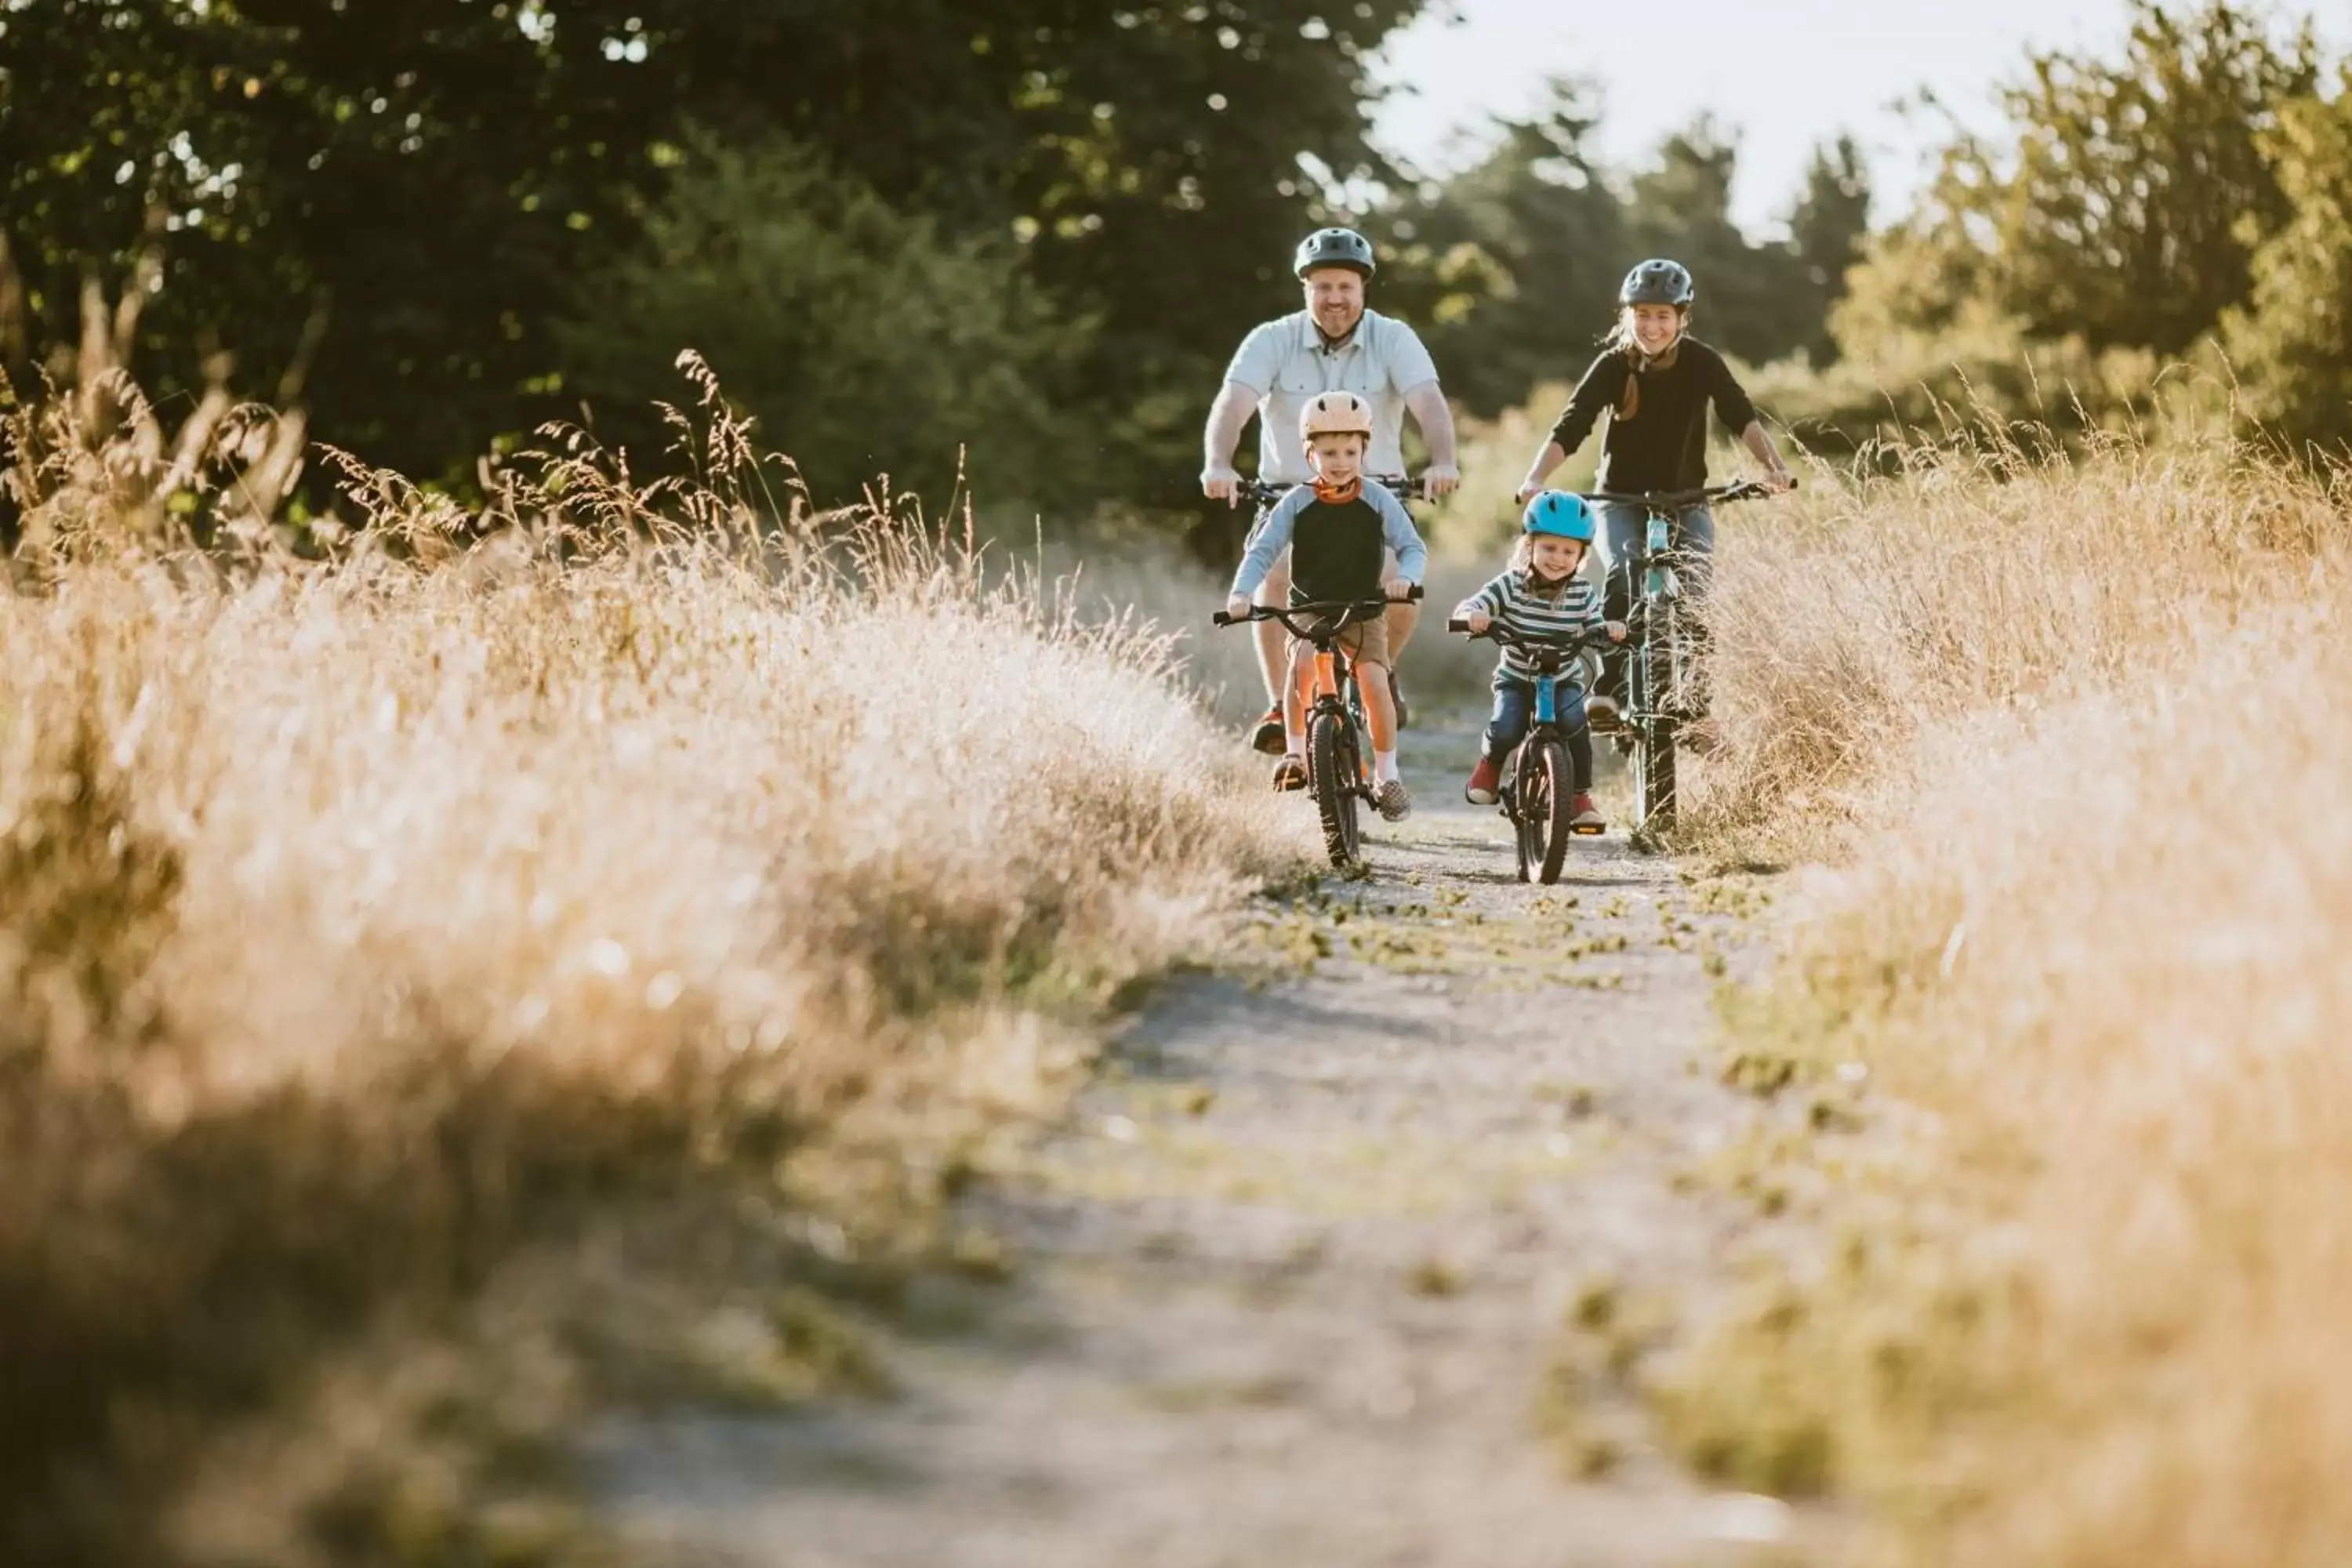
[
  {"x": 1650, "y": 673},
  {"x": 1547, "y": 796},
  {"x": 1330, "y": 773}
]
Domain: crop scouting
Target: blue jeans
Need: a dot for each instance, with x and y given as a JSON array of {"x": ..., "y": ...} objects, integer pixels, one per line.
[
  {"x": 1515, "y": 711},
  {"x": 1622, "y": 525}
]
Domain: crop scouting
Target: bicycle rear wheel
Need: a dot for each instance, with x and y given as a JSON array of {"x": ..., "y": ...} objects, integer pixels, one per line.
[
  {"x": 1648, "y": 684},
  {"x": 1331, "y": 765}
]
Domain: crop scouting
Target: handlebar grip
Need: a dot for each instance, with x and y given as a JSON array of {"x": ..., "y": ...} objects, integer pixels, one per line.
[
  {"x": 1457, "y": 626},
  {"x": 1221, "y": 619},
  {"x": 1413, "y": 596}
]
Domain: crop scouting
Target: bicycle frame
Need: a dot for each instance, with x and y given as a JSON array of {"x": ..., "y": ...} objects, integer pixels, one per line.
[
  {"x": 1338, "y": 775},
  {"x": 1658, "y": 653}
]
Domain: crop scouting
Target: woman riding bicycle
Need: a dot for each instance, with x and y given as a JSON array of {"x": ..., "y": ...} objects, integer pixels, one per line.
[{"x": 1654, "y": 382}]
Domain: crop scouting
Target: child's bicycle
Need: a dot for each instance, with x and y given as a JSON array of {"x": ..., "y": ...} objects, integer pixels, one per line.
[
  {"x": 1338, "y": 740},
  {"x": 1538, "y": 786},
  {"x": 1662, "y": 664}
]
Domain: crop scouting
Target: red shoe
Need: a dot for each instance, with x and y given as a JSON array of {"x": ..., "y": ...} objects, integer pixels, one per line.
[
  {"x": 1485, "y": 780},
  {"x": 1268, "y": 737},
  {"x": 1583, "y": 817}
]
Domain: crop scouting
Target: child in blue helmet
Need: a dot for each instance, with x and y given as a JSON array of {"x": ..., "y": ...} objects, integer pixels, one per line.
[{"x": 1544, "y": 595}]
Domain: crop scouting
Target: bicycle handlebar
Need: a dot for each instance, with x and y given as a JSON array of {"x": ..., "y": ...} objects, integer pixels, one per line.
[
  {"x": 1266, "y": 492},
  {"x": 1349, "y": 611},
  {"x": 1497, "y": 632},
  {"x": 1738, "y": 490}
]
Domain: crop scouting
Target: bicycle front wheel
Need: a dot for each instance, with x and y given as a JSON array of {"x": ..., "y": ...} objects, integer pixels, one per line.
[
  {"x": 1547, "y": 790},
  {"x": 1331, "y": 767}
]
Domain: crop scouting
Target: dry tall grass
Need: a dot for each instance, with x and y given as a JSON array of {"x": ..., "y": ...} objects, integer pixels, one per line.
[
  {"x": 365, "y": 921},
  {"x": 2073, "y": 728}
]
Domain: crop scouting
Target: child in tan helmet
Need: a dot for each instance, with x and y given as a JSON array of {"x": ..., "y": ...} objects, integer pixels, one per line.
[{"x": 1339, "y": 530}]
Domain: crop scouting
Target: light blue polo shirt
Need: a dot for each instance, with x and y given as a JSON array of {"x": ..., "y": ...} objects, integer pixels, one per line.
[{"x": 1286, "y": 363}]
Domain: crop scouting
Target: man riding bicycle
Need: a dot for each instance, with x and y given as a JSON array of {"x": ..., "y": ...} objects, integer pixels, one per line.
[{"x": 1335, "y": 345}]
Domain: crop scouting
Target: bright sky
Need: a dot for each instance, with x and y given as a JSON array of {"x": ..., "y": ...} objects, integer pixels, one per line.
[{"x": 1782, "y": 74}]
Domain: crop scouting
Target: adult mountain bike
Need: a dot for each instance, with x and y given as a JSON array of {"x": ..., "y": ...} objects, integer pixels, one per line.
[
  {"x": 1539, "y": 783},
  {"x": 1663, "y": 689},
  {"x": 1338, "y": 741}
]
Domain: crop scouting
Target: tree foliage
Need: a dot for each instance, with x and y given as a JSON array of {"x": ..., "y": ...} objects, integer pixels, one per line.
[
  {"x": 866, "y": 341},
  {"x": 2124, "y": 201},
  {"x": 383, "y": 209},
  {"x": 1513, "y": 265},
  {"x": 2293, "y": 341}
]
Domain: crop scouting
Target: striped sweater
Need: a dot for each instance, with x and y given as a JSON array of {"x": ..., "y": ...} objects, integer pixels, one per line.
[{"x": 1576, "y": 608}]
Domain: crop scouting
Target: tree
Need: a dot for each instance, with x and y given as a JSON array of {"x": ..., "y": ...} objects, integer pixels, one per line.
[
  {"x": 1511, "y": 267},
  {"x": 1751, "y": 298},
  {"x": 2294, "y": 340},
  {"x": 863, "y": 339},
  {"x": 2140, "y": 188},
  {"x": 1829, "y": 228},
  {"x": 380, "y": 209}
]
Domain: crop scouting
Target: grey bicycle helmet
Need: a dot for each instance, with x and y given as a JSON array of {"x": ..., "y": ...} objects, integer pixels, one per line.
[
  {"x": 1335, "y": 248},
  {"x": 1658, "y": 282}
]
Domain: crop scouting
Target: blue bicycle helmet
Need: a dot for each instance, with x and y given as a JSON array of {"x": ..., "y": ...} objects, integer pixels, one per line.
[{"x": 1559, "y": 513}]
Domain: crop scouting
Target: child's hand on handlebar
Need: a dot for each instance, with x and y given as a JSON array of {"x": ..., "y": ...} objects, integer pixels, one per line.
[
  {"x": 1398, "y": 589},
  {"x": 1237, "y": 605},
  {"x": 1478, "y": 621},
  {"x": 1616, "y": 630}
]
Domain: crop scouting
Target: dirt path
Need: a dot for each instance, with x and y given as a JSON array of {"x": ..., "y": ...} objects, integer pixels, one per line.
[{"x": 1338, "y": 1264}]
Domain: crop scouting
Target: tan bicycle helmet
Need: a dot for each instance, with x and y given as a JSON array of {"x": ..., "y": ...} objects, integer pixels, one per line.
[{"x": 1334, "y": 414}]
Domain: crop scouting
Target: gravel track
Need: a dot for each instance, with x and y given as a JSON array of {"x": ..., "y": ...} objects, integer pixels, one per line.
[{"x": 1299, "y": 1270}]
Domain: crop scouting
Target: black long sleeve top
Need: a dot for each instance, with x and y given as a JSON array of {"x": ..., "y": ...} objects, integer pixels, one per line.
[{"x": 1661, "y": 445}]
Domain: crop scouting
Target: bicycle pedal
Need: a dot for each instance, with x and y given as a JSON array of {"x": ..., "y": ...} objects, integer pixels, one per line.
[{"x": 1588, "y": 832}]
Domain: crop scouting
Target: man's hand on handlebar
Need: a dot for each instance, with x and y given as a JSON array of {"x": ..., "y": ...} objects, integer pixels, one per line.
[
  {"x": 1222, "y": 484},
  {"x": 1441, "y": 479}
]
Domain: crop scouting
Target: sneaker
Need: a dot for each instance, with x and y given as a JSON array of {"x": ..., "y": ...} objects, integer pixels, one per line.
[
  {"x": 1485, "y": 780},
  {"x": 1268, "y": 737},
  {"x": 1584, "y": 816},
  {"x": 1290, "y": 773},
  {"x": 1396, "y": 696},
  {"x": 1395, "y": 804},
  {"x": 1600, "y": 713}
]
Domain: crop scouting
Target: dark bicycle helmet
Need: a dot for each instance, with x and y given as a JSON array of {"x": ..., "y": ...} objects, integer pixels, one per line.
[
  {"x": 1658, "y": 282},
  {"x": 1334, "y": 247}
]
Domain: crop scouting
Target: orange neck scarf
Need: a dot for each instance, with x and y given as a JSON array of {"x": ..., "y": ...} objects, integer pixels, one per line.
[{"x": 1337, "y": 495}]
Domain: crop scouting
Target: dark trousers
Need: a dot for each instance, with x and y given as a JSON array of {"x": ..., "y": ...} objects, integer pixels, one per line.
[{"x": 1515, "y": 711}]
